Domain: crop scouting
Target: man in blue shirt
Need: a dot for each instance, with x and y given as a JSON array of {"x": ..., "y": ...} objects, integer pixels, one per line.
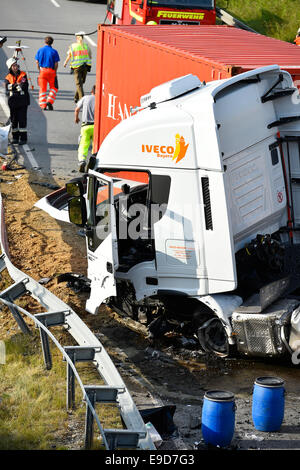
[{"x": 47, "y": 60}]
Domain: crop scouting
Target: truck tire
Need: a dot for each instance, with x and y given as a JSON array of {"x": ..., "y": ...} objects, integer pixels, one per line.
[{"x": 213, "y": 338}]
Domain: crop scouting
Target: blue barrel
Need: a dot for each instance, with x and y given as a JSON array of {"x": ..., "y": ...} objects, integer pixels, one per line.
[
  {"x": 218, "y": 418},
  {"x": 268, "y": 403}
]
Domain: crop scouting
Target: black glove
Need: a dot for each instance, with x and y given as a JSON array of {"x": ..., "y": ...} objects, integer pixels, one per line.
[{"x": 88, "y": 67}]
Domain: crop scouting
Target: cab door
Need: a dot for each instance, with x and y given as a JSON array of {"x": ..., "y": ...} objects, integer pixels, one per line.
[{"x": 101, "y": 235}]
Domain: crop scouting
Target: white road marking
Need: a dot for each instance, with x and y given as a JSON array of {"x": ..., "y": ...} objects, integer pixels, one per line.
[
  {"x": 27, "y": 151},
  {"x": 30, "y": 157},
  {"x": 90, "y": 41},
  {"x": 55, "y": 3},
  {"x": 4, "y": 105}
]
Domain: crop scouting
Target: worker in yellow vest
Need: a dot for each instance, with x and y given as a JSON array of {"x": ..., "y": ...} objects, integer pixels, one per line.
[{"x": 80, "y": 55}]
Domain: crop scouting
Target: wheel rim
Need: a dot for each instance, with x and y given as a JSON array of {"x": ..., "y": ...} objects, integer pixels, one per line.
[{"x": 213, "y": 338}]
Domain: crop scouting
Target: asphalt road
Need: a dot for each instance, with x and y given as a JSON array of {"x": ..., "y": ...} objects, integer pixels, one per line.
[{"x": 52, "y": 135}]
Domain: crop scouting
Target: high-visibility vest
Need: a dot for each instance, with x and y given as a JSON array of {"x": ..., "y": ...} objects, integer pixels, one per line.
[
  {"x": 17, "y": 98},
  {"x": 80, "y": 55},
  {"x": 297, "y": 41},
  {"x": 11, "y": 78}
]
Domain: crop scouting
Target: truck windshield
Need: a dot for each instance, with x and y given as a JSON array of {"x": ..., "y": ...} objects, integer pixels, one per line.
[{"x": 206, "y": 4}]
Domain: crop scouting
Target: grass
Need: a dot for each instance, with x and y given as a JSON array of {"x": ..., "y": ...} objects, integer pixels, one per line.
[
  {"x": 33, "y": 412},
  {"x": 32, "y": 408},
  {"x": 275, "y": 18}
]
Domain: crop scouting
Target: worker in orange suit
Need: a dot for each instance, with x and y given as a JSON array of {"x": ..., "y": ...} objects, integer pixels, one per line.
[
  {"x": 47, "y": 60},
  {"x": 297, "y": 38}
]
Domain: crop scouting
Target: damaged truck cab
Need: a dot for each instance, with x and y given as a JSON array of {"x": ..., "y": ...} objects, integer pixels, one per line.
[{"x": 192, "y": 212}]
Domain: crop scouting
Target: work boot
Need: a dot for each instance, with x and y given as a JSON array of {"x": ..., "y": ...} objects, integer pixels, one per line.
[
  {"x": 91, "y": 163},
  {"x": 82, "y": 166},
  {"x": 23, "y": 138},
  {"x": 49, "y": 106},
  {"x": 15, "y": 137}
]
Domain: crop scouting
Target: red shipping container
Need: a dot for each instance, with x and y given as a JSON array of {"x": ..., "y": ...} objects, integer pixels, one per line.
[{"x": 133, "y": 59}]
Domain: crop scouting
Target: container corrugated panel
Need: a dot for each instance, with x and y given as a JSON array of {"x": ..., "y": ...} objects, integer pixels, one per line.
[{"x": 133, "y": 59}]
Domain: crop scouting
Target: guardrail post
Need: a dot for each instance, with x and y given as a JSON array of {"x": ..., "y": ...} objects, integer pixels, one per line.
[
  {"x": 46, "y": 349},
  {"x": 2, "y": 263},
  {"x": 21, "y": 323},
  {"x": 71, "y": 382},
  {"x": 77, "y": 354},
  {"x": 89, "y": 420},
  {"x": 10, "y": 294},
  {"x": 49, "y": 319},
  {"x": 97, "y": 394}
]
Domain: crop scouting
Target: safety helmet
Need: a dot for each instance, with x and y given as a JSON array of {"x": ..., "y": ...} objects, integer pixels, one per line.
[
  {"x": 152, "y": 22},
  {"x": 11, "y": 62},
  {"x": 80, "y": 33}
]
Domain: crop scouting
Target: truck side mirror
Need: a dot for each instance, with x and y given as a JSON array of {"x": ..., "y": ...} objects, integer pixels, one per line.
[
  {"x": 75, "y": 187},
  {"x": 77, "y": 211}
]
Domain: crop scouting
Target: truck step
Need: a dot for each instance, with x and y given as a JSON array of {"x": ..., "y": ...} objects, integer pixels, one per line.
[{"x": 268, "y": 294}]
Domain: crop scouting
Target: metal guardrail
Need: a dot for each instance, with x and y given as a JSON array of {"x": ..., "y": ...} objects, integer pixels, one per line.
[
  {"x": 231, "y": 21},
  {"x": 89, "y": 348}
]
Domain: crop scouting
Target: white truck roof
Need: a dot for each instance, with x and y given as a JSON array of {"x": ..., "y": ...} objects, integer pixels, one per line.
[{"x": 195, "y": 122}]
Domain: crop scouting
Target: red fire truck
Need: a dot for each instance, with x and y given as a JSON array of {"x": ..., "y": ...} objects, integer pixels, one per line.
[{"x": 189, "y": 12}]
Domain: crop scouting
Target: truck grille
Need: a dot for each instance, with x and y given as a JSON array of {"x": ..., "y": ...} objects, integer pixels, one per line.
[{"x": 207, "y": 205}]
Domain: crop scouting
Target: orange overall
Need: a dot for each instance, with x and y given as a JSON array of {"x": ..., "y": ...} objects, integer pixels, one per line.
[
  {"x": 297, "y": 41},
  {"x": 46, "y": 76}
]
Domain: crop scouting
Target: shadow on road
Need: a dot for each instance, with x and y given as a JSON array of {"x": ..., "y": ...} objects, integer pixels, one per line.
[{"x": 45, "y": 149}]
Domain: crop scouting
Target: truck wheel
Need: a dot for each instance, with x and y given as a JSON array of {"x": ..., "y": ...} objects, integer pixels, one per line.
[{"x": 213, "y": 338}]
